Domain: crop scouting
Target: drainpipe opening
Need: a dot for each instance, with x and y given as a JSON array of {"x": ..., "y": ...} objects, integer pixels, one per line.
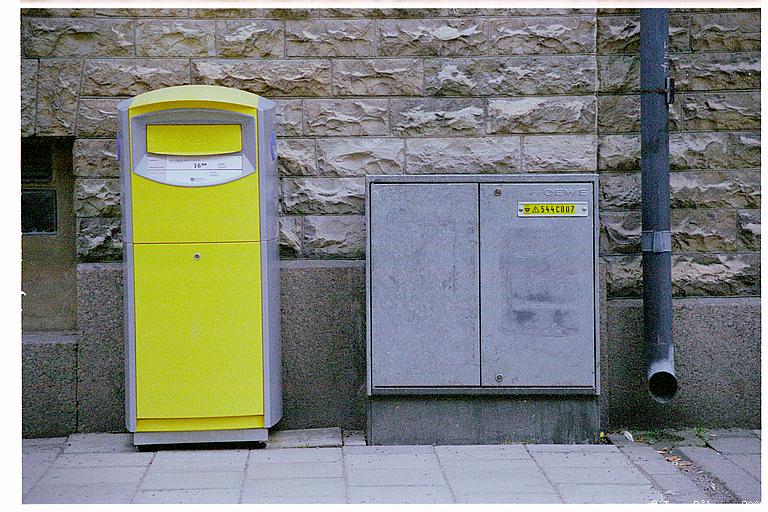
[{"x": 662, "y": 386}]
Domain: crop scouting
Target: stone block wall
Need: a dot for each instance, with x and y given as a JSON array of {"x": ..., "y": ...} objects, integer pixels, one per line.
[
  {"x": 414, "y": 91},
  {"x": 385, "y": 91}
]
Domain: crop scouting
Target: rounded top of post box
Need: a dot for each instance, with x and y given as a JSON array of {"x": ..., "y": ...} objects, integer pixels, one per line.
[{"x": 212, "y": 93}]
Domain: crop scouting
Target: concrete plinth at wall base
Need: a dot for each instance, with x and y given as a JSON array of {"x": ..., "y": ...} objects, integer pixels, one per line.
[
  {"x": 447, "y": 420},
  {"x": 49, "y": 399}
]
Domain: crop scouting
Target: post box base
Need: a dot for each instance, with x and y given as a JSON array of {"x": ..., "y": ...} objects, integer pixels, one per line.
[{"x": 201, "y": 436}]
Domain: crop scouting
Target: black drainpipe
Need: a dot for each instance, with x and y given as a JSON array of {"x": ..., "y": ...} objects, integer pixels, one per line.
[{"x": 657, "y": 92}]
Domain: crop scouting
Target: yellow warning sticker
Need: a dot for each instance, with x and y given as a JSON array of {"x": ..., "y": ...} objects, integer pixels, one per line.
[{"x": 552, "y": 209}]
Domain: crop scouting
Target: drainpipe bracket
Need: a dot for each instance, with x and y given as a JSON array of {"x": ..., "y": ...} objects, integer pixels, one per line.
[{"x": 656, "y": 241}]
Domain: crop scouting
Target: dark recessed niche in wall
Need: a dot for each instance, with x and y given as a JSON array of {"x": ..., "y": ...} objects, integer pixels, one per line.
[
  {"x": 38, "y": 211},
  {"x": 36, "y": 161}
]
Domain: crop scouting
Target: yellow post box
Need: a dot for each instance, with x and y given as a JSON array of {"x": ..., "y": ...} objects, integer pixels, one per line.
[{"x": 202, "y": 312}]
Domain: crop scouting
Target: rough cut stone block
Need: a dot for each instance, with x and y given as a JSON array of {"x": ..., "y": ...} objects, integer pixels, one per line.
[
  {"x": 97, "y": 197},
  {"x": 461, "y": 116},
  {"x": 702, "y": 230},
  {"x": 175, "y": 38},
  {"x": 228, "y": 13},
  {"x": 323, "y": 195},
  {"x": 572, "y": 114},
  {"x": 69, "y": 37},
  {"x": 619, "y": 153},
  {"x": 99, "y": 239},
  {"x": 288, "y": 118},
  {"x": 289, "y": 237},
  {"x": 731, "y": 31},
  {"x": 620, "y": 190},
  {"x": 618, "y": 73},
  {"x": 95, "y": 158},
  {"x": 57, "y": 91},
  {"x": 692, "y": 275},
  {"x": 567, "y": 74},
  {"x": 702, "y": 189},
  {"x": 145, "y": 13},
  {"x": 749, "y": 229},
  {"x": 360, "y": 156},
  {"x": 378, "y": 77},
  {"x": 621, "y": 34},
  {"x": 269, "y": 78},
  {"x": 346, "y": 117},
  {"x": 97, "y": 118},
  {"x": 296, "y": 157},
  {"x": 335, "y": 38},
  {"x": 715, "y": 189},
  {"x": 722, "y": 111},
  {"x": 716, "y": 274},
  {"x": 250, "y": 38},
  {"x": 129, "y": 77},
  {"x": 29, "y": 69},
  {"x": 435, "y": 37},
  {"x": 542, "y": 35},
  {"x": 716, "y": 71},
  {"x": 618, "y": 114},
  {"x": 623, "y": 275},
  {"x": 577, "y": 153},
  {"x": 743, "y": 150},
  {"x": 463, "y": 155},
  {"x": 334, "y": 236},
  {"x": 697, "y": 151}
]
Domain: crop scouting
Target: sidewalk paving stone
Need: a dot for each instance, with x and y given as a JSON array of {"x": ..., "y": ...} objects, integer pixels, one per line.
[
  {"x": 79, "y": 476},
  {"x": 353, "y": 437},
  {"x": 159, "y": 480},
  {"x": 605, "y": 493},
  {"x": 92, "y": 493},
  {"x": 678, "y": 488},
  {"x": 390, "y": 450},
  {"x": 738, "y": 481},
  {"x": 595, "y": 475},
  {"x": 305, "y": 438},
  {"x": 735, "y": 444},
  {"x": 99, "y": 443},
  {"x": 377, "y": 461},
  {"x": 503, "y": 451},
  {"x": 296, "y": 455},
  {"x": 185, "y": 496},
  {"x": 45, "y": 443},
  {"x": 649, "y": 460},
  {"x": 581, "y": 459},
  {"x": 389, "y": 477},
  {"x": 400, "y": 494},
  {"x": 197, "y": 460},
  {"x": 478, "y": 467},
  {"x": 749, "y": 462},
  {"x": 94, "y": 460},
  {"x": 509, "y": 498},
  {"x": 267, "y": 471},
  {"x": 290, "y": 489},
  {"x": 572, "y": 448}
]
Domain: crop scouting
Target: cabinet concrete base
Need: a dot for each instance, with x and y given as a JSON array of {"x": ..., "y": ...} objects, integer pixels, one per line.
[{"x": 446, "y": 420}]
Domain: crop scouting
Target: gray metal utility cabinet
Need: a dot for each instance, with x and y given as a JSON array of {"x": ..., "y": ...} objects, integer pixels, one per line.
[{"x": 482, "y": 303}]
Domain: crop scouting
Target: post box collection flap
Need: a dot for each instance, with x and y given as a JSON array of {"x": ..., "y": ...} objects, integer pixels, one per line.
[{"x": 194, "y": 139}]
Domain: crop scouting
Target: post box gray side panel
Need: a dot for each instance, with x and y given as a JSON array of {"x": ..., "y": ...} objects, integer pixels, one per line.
[
  {"x": 270, "y": 257},
  {"x": 424, "y": 285},
  {"x": 129, "y": 331},
  {"x": 537, "y": 288}
]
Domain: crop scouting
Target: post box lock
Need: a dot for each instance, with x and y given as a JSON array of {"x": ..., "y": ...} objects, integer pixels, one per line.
[
  {"x": 196, "y": 256},
  {"x": 499, "y": 377}
]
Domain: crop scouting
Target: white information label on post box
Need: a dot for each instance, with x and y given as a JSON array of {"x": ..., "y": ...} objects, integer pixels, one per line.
[{"x": 193, "y": 171}]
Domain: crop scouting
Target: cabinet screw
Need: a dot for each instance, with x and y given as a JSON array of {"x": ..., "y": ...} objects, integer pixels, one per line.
[
  {"x": 196, "y": 256},
  {"x": 499, "y": 377},
  {"x": 497, "y": 192}
]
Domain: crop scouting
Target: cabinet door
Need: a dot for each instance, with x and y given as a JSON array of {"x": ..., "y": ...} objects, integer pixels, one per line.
[
  {"x": 198, "y": 330},
  {"x": 537, "y": 286},
  {"x": 424, "y": 285}
]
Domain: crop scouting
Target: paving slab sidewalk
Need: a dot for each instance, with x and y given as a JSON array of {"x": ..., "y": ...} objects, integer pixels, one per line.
[{"x": 105, "y": 468}]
